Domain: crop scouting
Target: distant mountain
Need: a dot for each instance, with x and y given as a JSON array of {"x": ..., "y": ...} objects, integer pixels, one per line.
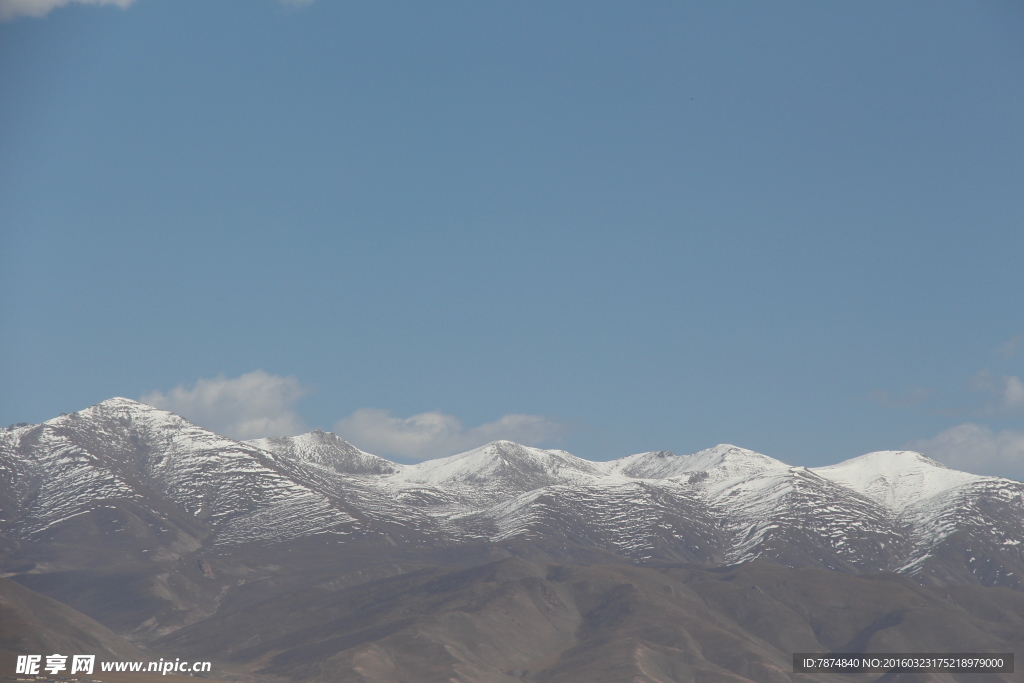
[
  {"x": 126, "y": 499},
  {"x": 959, "y": 526},
  {"x": 125, "y": 470},
  {"x": 896, "y": 479}
]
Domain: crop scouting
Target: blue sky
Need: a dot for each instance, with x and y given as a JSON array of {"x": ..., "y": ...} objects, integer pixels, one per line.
[{"x": 606, "y": 227}]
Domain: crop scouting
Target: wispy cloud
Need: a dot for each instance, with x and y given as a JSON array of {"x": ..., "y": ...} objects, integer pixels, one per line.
[
  {"x": 977, "y": 448},
  {"x": 252, "y": 406},
  {"x": 10, "y": 9},
  {"x": 435, "y": 434},
  {"x": 1007, "y": 391},
  {"x": 1011, "y": 347}
]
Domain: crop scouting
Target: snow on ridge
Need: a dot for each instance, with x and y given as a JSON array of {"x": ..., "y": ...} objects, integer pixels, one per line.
[
  {"x": 503, "y": 460},
  {"x": 896, "y": 479},
  {"x": 326, "y": 449},
  {"x": 720, "y": 463},
  {"x": 650, "y": 465},
  {"x": 732, "y": 461},
  {"x": 199, "y": 469},
  {"x": 122, "y": 405},
  {"x": 725, "y": 461},
  {"x": 124, "y": 449},
  {"x": 880, "y": 508}
]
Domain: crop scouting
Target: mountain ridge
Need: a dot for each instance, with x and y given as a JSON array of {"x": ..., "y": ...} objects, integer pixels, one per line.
[
  {"x": 323, "y": 448},
  {"x": 122, "y": 482},
  {"x": 166, "y": 532}
]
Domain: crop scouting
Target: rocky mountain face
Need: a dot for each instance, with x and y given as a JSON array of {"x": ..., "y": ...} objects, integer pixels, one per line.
[{"x": 156, "y": 527}]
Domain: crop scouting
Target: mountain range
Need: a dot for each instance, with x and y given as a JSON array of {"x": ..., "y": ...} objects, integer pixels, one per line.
[{"x": 159, "y": 529}]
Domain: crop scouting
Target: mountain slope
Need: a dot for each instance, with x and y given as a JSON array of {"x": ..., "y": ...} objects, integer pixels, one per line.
[
  {"x": 515, "y": 620},
  {"x": 31, "y": 623}
]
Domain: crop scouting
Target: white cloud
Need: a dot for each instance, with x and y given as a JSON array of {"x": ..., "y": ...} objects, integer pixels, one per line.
[
  {"x": 252, "y": 406},
  {"x": 434, "y": 434},
  {"x": 40, "y": 8},
  {"x": 977, "y": 448}
]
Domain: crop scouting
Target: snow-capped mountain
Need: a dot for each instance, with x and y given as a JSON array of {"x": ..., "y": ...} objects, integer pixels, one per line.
[
  {"x": 724, "y": 462},
  {"x": 896, "y": 479},
  {"x": 326, "y": 450},
  {"x": 127, "y": 475},
  {"x": 955, "y": 523},
  {"x": 122, "y": 469},
  {"x": 502, "y": 464}
]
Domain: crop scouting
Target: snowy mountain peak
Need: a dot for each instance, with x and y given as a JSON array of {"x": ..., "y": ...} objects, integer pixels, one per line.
[
  {"x": 326, "y": 449},
  {"x": 114, "y": 417},
  {"x": 127, "y": 406},
  {"x": 725, "y": 463},
  {"x": 122, "y": 402},
  {"x": 651, "y": 465},
  {"x": 504, "y": 463},
  {"x": 725, "y": 455},
  {"x": 719, "y": 463},
  {"x": 121, "y": 413},
  {"x": 895, "y": 479},
  {"x": 116, "y": 405}
]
